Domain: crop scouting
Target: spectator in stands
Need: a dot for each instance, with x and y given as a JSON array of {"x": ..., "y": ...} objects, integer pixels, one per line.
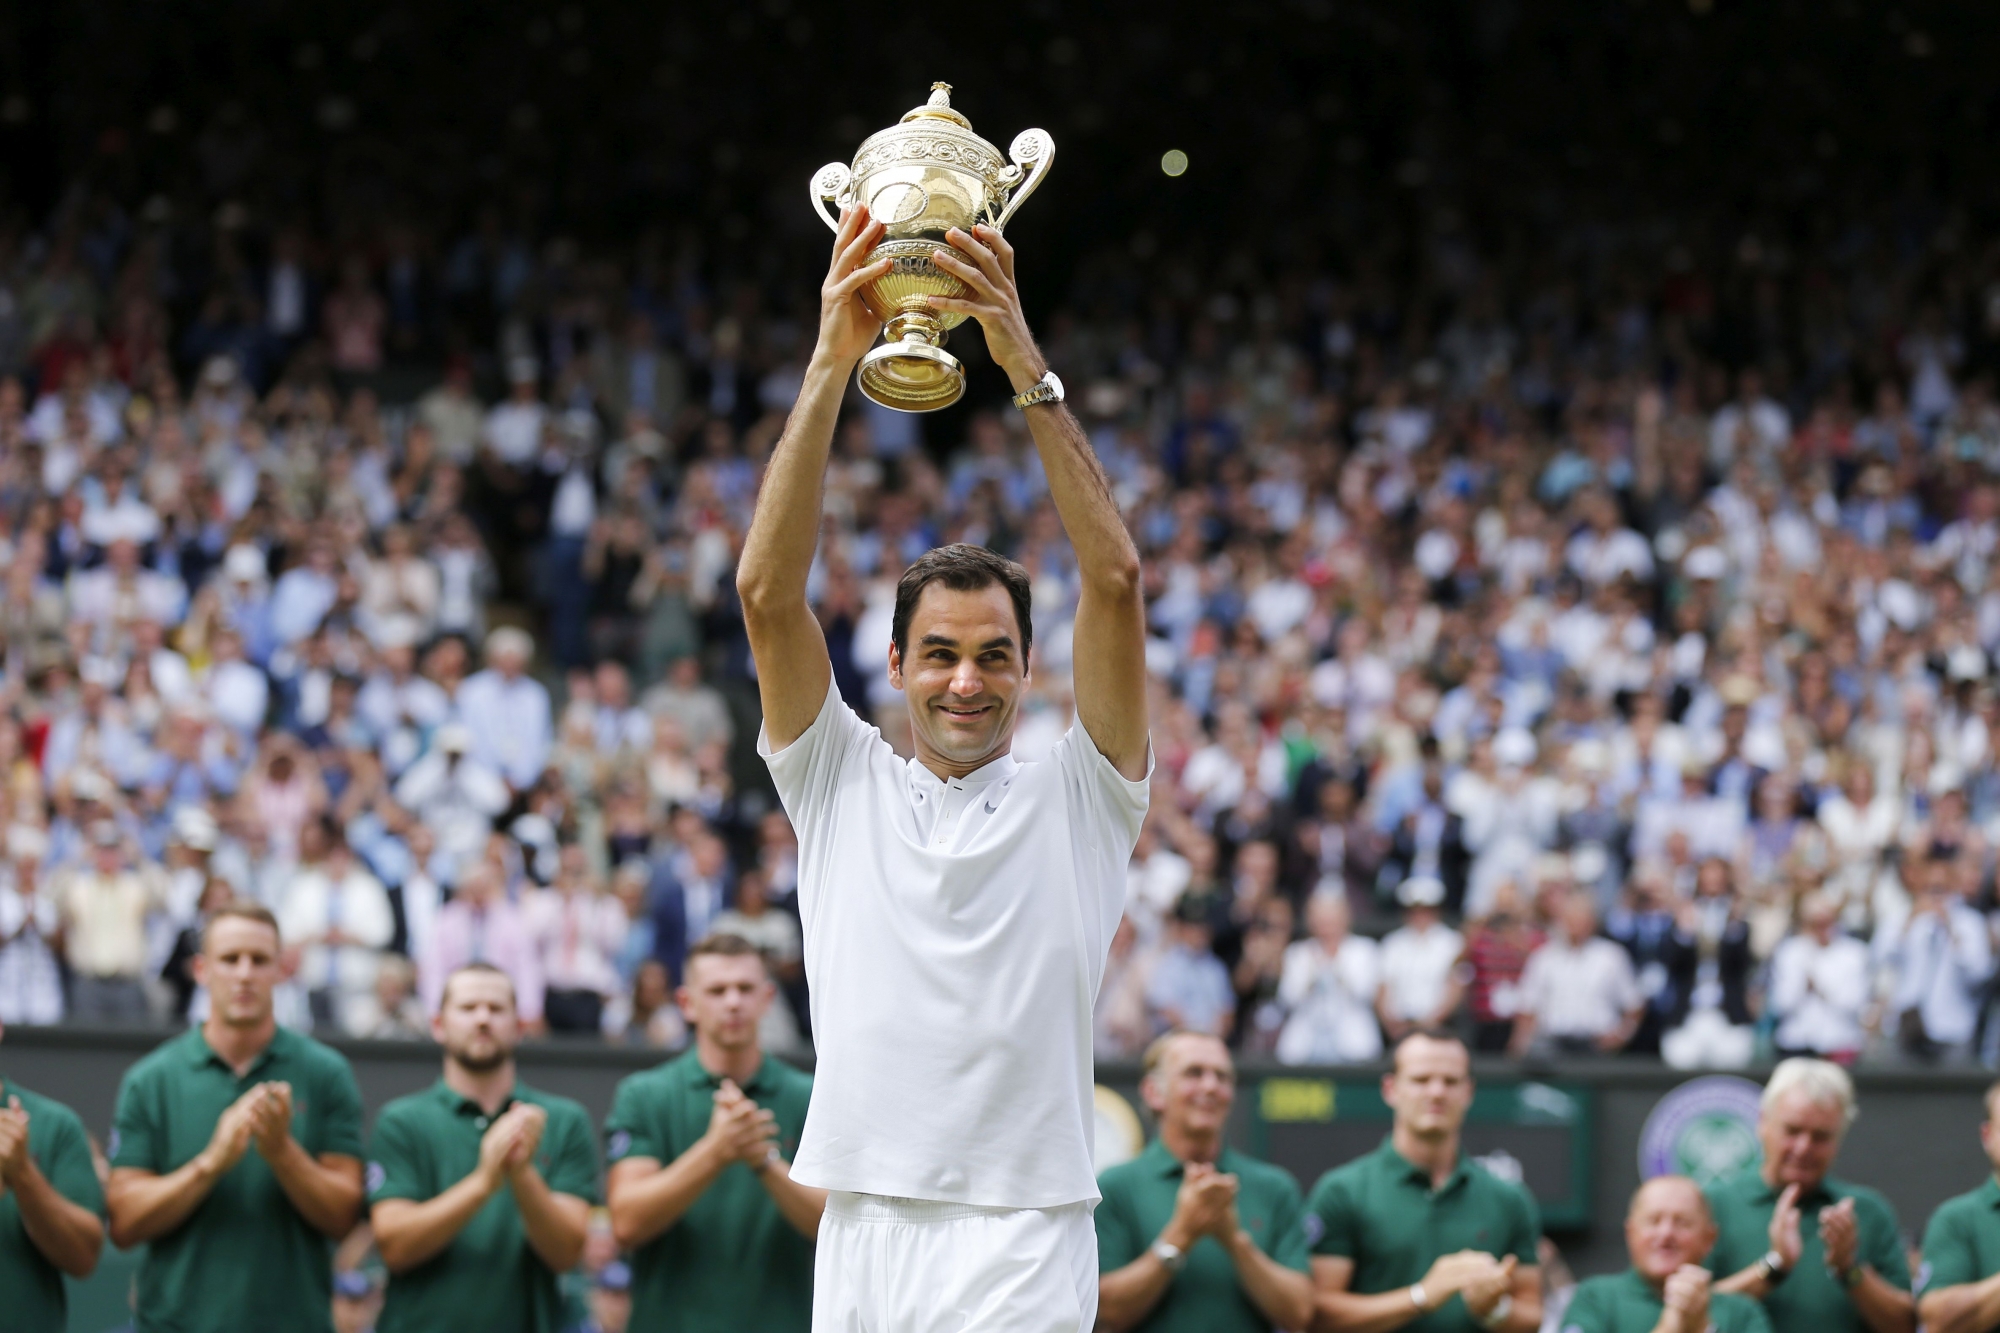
[
  {"x": 1819, "y": 989},
  {"x": 480, "y": 925},
  {"x": 1328, "y": 989},
  {"x": 1823, "y": 1255},
  {"x": 1939, "y": 961},
  {"x": 648, "y": 1016},
  {"x": 454, "y": 793},
  {"x": 689, "y": 891},
  {"x": 482, "y": 1247},
  {"x": 1578, "y": 993},
  {"x": 31, "y": 930},
  {"x": 579, "y": 933},
  {"x": 700, "y": 1183},
  {"x": 1189, "y": 986},
  {"x": 223, "y": 1233},
  {"x": 1497, "y": 949},
  {"x": 1192, "y": 1233},
  {"x": 337, "y": 915},
  {"x": 507, "y": 711},
  {"x": 104, "y": 907},
  {"x": 1421, "y": 985}
]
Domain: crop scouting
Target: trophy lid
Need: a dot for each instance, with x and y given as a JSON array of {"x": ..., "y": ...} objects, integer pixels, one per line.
[{"x": 938, "y": 108}]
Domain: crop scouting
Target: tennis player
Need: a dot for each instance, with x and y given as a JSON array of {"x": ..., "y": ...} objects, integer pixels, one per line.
[{"x": 958, "y": 906}]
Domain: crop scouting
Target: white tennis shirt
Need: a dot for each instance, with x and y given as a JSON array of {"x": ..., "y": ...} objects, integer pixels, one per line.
[{"x": 955, "y": 936}]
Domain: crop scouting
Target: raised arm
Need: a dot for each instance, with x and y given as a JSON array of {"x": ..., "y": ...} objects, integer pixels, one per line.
[
  {"x": 1110, "y": 653},
  {"x": 785, "y": 639}
]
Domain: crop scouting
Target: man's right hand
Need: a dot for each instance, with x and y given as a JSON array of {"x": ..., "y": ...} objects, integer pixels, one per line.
[
  {"x": 1784, "y": 1231},
  {"x": 233, "y": 1132},
  {"x": 847, "y": 327},
  {"x": 1452, "y": 1273},
  {"x": 1686, "y": 1295},
  {"x": 1202, "y": 1207},
  {"x": 739, "y": 1129}
]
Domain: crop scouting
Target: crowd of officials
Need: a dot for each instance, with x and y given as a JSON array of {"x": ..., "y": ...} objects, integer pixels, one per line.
[{"x": 238, "y": 1159}]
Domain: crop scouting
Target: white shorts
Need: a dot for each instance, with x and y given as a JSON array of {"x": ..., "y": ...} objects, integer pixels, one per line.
[{"x": 916, "y": 1266}]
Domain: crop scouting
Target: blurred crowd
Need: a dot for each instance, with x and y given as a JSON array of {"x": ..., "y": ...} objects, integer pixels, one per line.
[{"x": 1596, "y": 653}]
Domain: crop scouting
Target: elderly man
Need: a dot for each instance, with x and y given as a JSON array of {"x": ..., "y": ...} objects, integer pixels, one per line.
[
  {"x": 508, "y": 710},
  {"x": 1192, "y": 1234},
  {"x": 1669, "y": 1230},
  {"x": 1962, "y": 1249},
  {"x": 1822, "y": 1254}
]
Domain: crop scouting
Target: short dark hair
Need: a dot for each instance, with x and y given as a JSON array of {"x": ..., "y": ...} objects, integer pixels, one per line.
[
  {"x": 243, "y": 910},
  {"x": 724, "y": 945},
  {"x": 962, "y": 567},
  {"x": 1427, "y": 1033}
]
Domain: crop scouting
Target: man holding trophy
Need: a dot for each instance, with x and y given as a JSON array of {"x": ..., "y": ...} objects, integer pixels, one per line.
[{"x": 957, "y": 907}]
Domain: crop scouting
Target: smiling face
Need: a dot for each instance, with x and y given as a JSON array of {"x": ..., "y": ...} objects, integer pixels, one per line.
[
  {"x": 962, "y": 677},
  {"x": 1669, "y": 1225},
  {"x": 1193, "y": 1085},
  {"x": 1800, "y": 1138}
]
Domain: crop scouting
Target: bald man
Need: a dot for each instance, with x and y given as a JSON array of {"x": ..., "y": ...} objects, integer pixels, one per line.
[{"x": 1669, "y": 1230}]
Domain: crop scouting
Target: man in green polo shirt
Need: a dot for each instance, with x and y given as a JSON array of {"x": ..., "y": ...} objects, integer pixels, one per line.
[
  {"x": 1415, "y": 1234},
  {"x": 480, "y": 1187},
  {"x": 1192, "y": 1236},
  {"x": 236, "y": 1154},
  {"x": 1823, "y": 1255},
  {"x": 51, "y": 1209},
  {"x": 1668, "y": 1232},
  {"x": 1962, "y": 1249},
  {"x": 700, "y": 1186}
]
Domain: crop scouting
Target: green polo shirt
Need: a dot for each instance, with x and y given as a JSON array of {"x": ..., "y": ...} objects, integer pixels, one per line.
[
  {"x": 31, "y": 1288},
  {"x": 488, "y": 1278},
  {"x": 1962, "y": 1242},
  {"x": 1627, "y": 1303},
  {"x": 1205, "y": 1296},
  {"x": 1381, "y": 1211},
  {"x": 244, "y": 1259},
  {"x": 1810, "y": 1299},
  {"x": 732, "y": 1262}
]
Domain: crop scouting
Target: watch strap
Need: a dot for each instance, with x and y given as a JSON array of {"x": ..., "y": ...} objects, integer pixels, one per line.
[{"x": 1041, "y": 391}]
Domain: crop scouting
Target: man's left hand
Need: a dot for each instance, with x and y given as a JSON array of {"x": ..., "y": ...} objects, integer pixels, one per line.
[
  {"x": 1482, "y": 1294},
  {"x": 271, "y": 1118},
  {"x": 984, "y": 261},
  {"x": 1841, "y": 1235}
]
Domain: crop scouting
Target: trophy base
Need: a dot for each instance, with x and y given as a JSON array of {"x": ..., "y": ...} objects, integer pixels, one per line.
[{"x": 912, "y": 376}]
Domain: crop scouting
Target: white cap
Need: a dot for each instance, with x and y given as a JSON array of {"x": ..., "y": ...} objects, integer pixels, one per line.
[{"x": 244, "y": 563}]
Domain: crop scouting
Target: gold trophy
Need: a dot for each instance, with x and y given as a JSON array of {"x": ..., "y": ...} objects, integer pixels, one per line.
[{"x": 919, "y": 179}]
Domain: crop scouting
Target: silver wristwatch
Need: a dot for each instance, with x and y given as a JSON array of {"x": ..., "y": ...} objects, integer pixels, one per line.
[
  {"x": 1047, "y": 389},
  {"x": 1171, "y": 1256}
]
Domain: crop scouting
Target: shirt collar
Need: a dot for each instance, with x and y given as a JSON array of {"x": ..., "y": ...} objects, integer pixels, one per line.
[
  {"x": 1411, "y": 1171},
  {"x": 996, "y": 770},
  {"x": 760, "y": 1081},
  {"x": 1161, "y": 1161},
  {"x": 1827, "y": 1189},
  {"x": 461, "y": 1105},
  {"x": 1989, "y": 1193},
  {"x": 201, "y": 1053}
]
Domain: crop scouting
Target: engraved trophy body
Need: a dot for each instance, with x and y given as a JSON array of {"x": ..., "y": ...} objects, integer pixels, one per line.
[{"x": 919, "y": 179}]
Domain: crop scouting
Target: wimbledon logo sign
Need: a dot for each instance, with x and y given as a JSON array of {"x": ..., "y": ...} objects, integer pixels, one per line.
[{"x": 1705, "y": 1128}]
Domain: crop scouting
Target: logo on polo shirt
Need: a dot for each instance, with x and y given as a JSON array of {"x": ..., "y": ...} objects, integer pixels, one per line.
[
  {"x": 1706, "y": 1128},
  {"x": 1314, "y": 1226},
  {"x": 619, "y": 1144},
  {"x": 377, "y": 1176},
  {"x": 111, "y": 1145}
]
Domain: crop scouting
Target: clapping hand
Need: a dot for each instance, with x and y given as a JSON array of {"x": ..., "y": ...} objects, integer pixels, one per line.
[
  {"x": 233, "y": 1132},
  {"x": 271, "y": 1117},
  {"x": 13, "y": 1141},
  {"x": 532, "y": 1120},
  {"x": 741, "y": 1130},
  {"x": 1784, "y": 1231},
  {"x": 1205, "y": 1204},
  {"x": 1841, "y": 1235},
  {"x": 1450, "y": 1274},
  {"x": 1483, "y": 1293},
  {"x": 1686, "y": 1294}
]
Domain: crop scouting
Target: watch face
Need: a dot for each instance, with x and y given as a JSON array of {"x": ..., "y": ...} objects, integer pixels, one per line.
[{"x": 1055, "y": 384}]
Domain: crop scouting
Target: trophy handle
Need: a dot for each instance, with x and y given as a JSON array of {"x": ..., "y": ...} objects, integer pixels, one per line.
[
  {"x": 1032, "y": 151},
  {"x": 834, "y": 184}
]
